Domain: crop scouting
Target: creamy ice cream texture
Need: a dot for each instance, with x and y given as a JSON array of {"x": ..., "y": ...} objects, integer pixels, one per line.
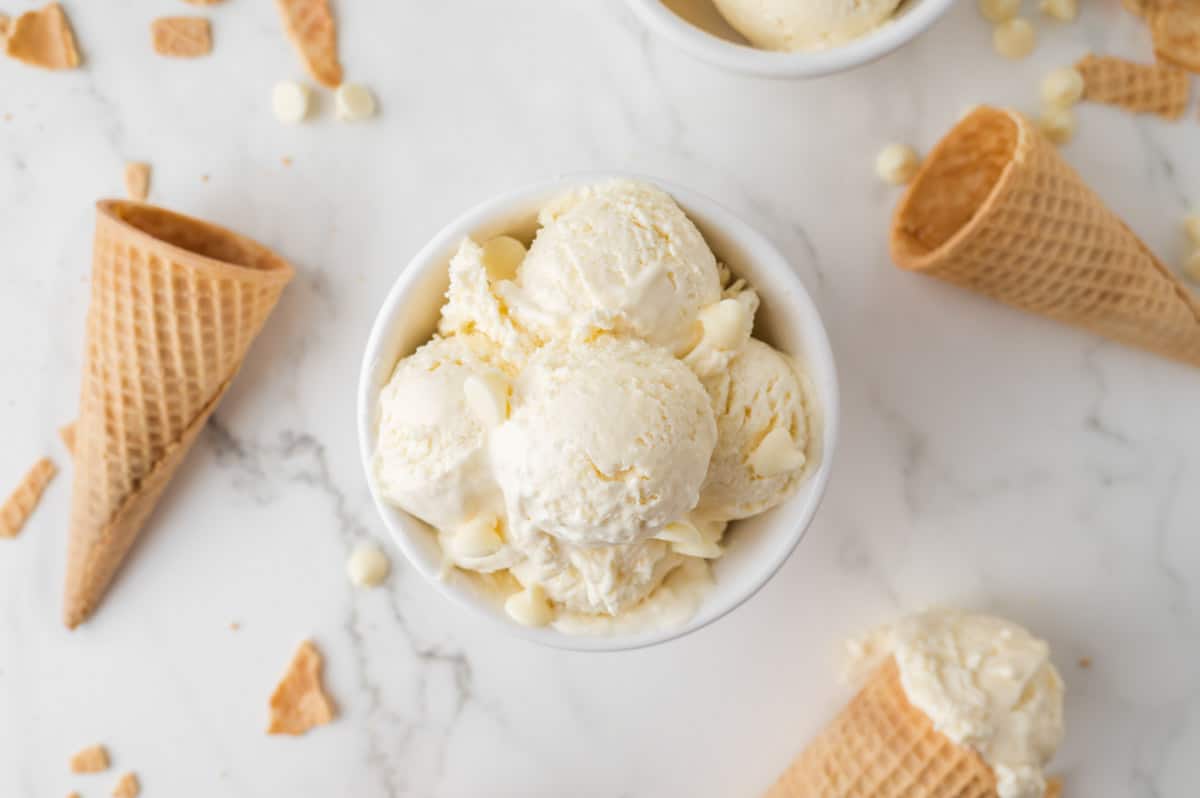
[
  {"x": 620, "y": 256},
  {"x": 804, "y": 24},
  {"x": 985, "y": 683},
  {"x": 591, "y": 414}
]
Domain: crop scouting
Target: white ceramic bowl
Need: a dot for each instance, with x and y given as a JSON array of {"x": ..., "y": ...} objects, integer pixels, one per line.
[
  {"x": 707, "y": 37},
  {"x": 757, "y": 547}
]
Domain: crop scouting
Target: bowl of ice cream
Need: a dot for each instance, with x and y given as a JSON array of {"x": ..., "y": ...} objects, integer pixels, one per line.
[
  {"x": 789, "y": 38},
  {"x": 600, "y": 411}
]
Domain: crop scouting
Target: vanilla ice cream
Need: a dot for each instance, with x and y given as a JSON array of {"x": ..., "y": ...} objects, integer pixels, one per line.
[
  {"x": 804, "y": 24},
  {"x": 762, "y": 454},
  {"x": 473, "y": 304},
  {"x": 622, "y": 257},
  {"x": 431, "y": 456},
  {"x": 591, "y": 414},
  {"x": 984, "y": 682},
  {"x": 608, "y": 442}
]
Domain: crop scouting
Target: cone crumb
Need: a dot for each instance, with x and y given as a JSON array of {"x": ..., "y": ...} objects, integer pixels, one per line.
[
  {"x": 43, "y": 38},
  {"x": 24, "y": 500},
  {"x": 137, "y": 180},
  {"x": 67, "y": 434},
  {"x": 93, "y": 759},
  {"x": 313, "y": 32},
  {"x": 300, "y": 702},
  {"x": 1085, "y": 662},
  {"x": 127, "y": 786},
  {"x": 181, "y": 37}
]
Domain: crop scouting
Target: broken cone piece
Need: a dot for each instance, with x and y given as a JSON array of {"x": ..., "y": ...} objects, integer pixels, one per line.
[
  {"x": 24, "y": 500},
  {"x": 43, "y": 38},
  {"x": 310, "y": 26},
  {"x": 299, "y": 702}
]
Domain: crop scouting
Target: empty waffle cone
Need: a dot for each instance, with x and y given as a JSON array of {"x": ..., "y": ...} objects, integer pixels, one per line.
[
  {"x": 881, "y": 746},
  {"x": 996, "y": 209},
  {"x": 175, "y": 305}
]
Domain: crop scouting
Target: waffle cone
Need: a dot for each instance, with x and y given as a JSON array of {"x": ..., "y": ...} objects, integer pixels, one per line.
[
  {"x": 881, "y": 746},
  {"x": 175, "y": 305},
  {"x": 996, "y": 209}
]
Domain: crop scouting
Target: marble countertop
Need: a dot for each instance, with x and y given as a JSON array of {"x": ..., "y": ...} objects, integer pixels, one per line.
[{"x": 988, "y": 458}]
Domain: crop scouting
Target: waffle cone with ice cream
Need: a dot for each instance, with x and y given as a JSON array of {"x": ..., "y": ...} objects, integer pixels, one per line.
[
  {"x": 889, "y": 742},
  {"x": 175, "y": 305},
  {"x": 997, "y": 210}
]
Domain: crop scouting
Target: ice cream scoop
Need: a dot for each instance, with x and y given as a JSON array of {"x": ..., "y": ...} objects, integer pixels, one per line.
[
  {"x": 431, "y": 458},
  {"x": 608, "y": 442},
  {"x": 618, "y": 256},
  {"x": 804, "y": 24},
  {"x": 762, "y": 434}
]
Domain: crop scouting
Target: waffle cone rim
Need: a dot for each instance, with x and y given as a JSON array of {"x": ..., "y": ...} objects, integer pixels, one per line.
[
  {"x": 901, "y": 255},
  {"x": 111, "y": 220}
]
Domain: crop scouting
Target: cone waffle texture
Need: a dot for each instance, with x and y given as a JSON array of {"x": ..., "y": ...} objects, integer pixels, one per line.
[
  {"x": 996, "y": 209},
  {"x": 1138, "y": 88},
  {"x": 175, "y": 305},
  {"x": 881, "y": 746}
]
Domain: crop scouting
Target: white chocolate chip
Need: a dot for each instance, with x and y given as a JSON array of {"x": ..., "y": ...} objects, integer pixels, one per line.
[
  {"x": 1062, "y": 87},
  {"x": 353, "y": 102},
  {"x": 679, "y": 532},
  {"x": 776, "y": 454},
  {"x": 1058, "y": 124},
  {"x": 502, "y": 256},
  {"x": 487, "y": 397},
  {"x": 896, "y": 164},
  {"x": 368, "y": 566},
  {"x": 1014, "y": 38},
  {"x": 690, "y": 540},
  {"x": 477, "y": 538},
  {"x": 289, "y": 101},
  {"x": 999, "y": 10},
  {"x": 1191, "y": 225},
  {"x": 530, "y": 607},
  {"x": 724, "y": 324},
  {"x": 1062, "y": 10},
  {"x": 1191, "y": 266}
]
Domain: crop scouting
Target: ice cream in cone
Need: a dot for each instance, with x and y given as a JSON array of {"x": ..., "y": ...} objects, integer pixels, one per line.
[
  {"x": 996, "y": 209},
  {"x": 175, "y": 305},
  {"x": 962, "y": 706}
]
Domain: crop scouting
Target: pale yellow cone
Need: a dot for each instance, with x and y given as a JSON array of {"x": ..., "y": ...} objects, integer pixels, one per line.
[{"x": 176, "y": 303}]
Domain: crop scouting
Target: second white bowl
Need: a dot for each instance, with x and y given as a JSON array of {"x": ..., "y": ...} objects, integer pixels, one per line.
[
  {"x": 758, "y": 546},
  {"x": 720, "y": 46}
]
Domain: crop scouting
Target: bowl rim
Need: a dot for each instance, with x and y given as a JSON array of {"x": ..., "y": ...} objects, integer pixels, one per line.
[
  {"x": 749, "y": 60},
  {"x": 433, "y": 255}
]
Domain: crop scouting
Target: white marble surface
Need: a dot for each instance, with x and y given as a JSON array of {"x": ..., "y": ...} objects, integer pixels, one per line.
[{"x": 988, "y": 458}]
